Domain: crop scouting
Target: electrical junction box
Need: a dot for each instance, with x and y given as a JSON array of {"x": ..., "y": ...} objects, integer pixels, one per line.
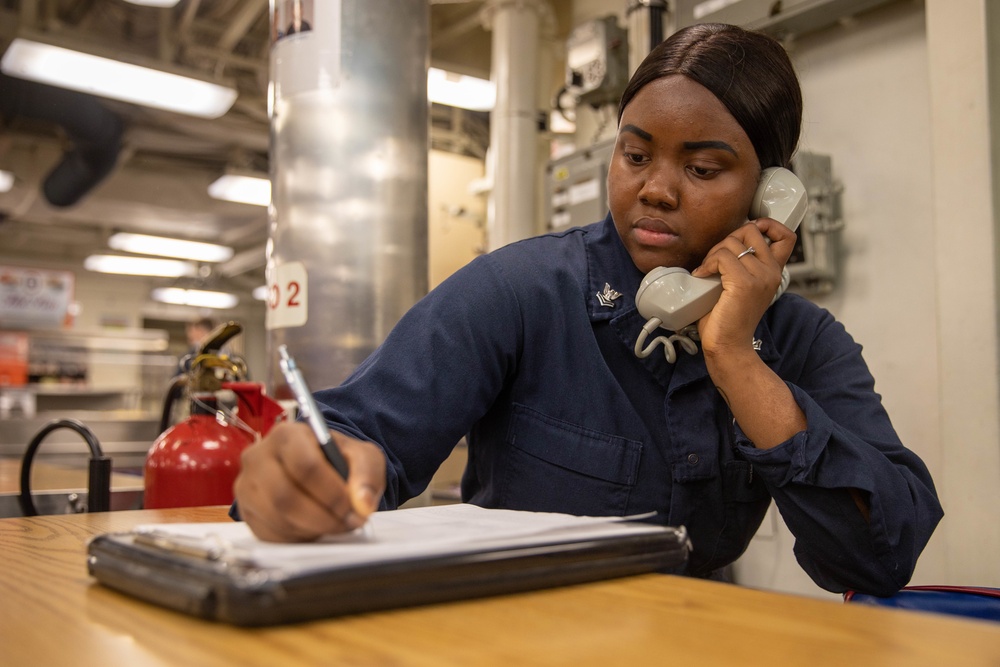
[
  {"x": 576, "y": 187},
  {"x": 597, "y": 62},
  {"x": 815, "y": 262}
]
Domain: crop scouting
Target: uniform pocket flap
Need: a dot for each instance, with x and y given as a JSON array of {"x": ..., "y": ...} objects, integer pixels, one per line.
[{"x": 600, "y": 455}]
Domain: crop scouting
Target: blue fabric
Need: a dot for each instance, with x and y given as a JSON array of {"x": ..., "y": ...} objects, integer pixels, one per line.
[
  {"x": 979, "y": 603},
  {"x": 516, "y": 352}
]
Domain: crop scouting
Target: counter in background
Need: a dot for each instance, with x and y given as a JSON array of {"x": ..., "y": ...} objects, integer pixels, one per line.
[
  {"x": 125, "y": 436},
  {"x": 31, "y": 400},
  {"x": 84, "y": 369},
  {"x": 59, "y": 469},
  {"x": 60, "y": 489}
]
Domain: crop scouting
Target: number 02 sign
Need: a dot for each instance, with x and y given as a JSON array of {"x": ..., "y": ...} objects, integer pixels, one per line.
[{"x": 287, "y": 296}]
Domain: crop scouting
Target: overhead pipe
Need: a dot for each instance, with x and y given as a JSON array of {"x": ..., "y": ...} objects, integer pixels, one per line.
[
  {"x": 648, "y": 24},
  {"x": 95, "y": 132},
  {"x": 512, "y": 212}
]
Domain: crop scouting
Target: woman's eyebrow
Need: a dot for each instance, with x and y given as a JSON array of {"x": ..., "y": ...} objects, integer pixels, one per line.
[
  {"x": 642, "y": 134},
  {"x": 698, "y": 145},
  {"x": 688, "y": 145}
]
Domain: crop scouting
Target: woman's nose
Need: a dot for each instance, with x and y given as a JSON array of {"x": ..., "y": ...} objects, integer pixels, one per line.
[{"x": 659, "y": 188}]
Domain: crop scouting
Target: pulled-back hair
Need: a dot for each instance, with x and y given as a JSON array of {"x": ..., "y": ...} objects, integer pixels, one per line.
[{"x": 749, "y": 72}]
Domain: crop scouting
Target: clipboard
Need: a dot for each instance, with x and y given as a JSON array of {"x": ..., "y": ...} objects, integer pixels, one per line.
[{"x": 207, "y": 578}]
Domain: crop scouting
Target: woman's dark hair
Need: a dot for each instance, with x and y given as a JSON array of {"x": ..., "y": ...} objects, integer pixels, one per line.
[{"x": 749, "y": 72}]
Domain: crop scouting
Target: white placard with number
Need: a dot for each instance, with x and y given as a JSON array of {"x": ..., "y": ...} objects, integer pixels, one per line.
[{"x": 287, "y": 296}]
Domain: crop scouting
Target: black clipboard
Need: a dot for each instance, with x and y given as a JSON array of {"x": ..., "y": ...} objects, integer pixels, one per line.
[{"x": 191, "y": 579}]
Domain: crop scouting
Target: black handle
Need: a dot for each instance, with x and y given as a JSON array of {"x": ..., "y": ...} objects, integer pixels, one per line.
[
  {"x": 99, "y": 485},
  {"x": 99, "y": 477}
]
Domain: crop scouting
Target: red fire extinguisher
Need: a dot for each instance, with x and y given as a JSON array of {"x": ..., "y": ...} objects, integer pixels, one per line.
[{"x": 196, "y": 461}]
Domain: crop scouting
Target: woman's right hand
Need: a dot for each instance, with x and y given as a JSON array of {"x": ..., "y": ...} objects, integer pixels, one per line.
[{"x": 288, "y": 492}]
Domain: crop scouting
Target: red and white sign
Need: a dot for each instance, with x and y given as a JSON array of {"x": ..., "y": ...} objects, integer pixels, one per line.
[
  {"x": 287, "y": 296},
  {"x": 34, "y": 298}
]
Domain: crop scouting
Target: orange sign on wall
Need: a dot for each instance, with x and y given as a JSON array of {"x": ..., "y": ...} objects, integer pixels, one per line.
[{"x": 13, "y": 359}]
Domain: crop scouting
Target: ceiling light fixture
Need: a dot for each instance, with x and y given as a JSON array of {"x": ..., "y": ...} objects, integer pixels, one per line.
[
  {"x": 6, "y": 181},
  {"x": 143, "y": 244},
  {"x": 242, "y": 188},
  {"x": 139, "y": 266},
  {"x": 459, "y": 90},
  {"x": 107, "y": 77},
  {"x": 195, "y": 297},
  {"x": 154, "y": 3}
]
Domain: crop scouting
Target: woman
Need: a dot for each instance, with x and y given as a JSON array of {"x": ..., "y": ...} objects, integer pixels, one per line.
[{"x": 529, "y": 352}]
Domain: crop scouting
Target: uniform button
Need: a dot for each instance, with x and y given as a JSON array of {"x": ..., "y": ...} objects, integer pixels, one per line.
[{"x": 693, "y": 459}]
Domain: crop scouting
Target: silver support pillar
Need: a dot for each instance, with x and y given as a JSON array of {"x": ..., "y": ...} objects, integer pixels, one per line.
[{"x": 347, "y": 254}]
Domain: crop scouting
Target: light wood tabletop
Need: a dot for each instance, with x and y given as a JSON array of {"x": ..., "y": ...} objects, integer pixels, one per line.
[
  {"x": 53, "y": 613},
  {"x": 48, "y": 477}
]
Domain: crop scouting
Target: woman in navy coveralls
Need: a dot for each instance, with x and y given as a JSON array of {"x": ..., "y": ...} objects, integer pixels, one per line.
[{"x": 528, "y": 352}]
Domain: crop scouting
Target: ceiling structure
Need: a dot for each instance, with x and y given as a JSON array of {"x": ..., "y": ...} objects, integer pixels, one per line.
[{"x": 159, "y": 181}]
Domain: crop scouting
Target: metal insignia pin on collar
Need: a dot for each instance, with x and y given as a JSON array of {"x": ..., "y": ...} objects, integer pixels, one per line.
[{"x": 607, "y": 296}]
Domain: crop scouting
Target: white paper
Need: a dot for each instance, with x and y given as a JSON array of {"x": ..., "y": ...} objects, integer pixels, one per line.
[{"x": 402, "y": 535}]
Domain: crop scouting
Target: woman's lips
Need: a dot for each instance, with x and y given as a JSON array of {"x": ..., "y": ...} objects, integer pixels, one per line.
[{"x": 653, "y": 232}]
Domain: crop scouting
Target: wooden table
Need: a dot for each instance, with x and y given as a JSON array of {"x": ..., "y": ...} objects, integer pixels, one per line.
[{"x": 52, "y": 613}]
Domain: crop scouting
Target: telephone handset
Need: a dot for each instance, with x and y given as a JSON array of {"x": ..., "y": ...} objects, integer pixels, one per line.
[{"x": 672, "y": 298}]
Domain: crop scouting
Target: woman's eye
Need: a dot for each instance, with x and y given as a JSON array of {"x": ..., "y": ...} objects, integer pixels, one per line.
[
  {"x": 636, "y": 158},
  {"x": 703, "y": 172}
]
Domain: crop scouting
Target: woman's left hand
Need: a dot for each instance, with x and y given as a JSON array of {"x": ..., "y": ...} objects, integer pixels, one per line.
[
  {"x": 749, "y": 283},
  {"x": 759, "y": 400}
]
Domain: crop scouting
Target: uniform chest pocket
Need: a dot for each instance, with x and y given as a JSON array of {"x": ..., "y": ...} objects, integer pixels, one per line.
[{"x": 556, "y": 466}]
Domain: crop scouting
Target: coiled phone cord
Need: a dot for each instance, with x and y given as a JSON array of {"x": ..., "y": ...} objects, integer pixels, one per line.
[{"x": 686, "y": 337}]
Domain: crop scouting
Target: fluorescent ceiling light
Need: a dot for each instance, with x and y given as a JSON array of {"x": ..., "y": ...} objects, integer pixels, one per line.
[
  {"x": 261, "y": 293},
  {"x": 154, "y": 3},
  {"x": 139, "y": 266},
  {"x": 254, "y": 190},
  {"x": 92, "y": 74},
  {"x": 458, "y": 90},
  {"x": 6, "y": 181},
  {"x": 164, "y": 247},
  {"x": 195, "y": 297}
]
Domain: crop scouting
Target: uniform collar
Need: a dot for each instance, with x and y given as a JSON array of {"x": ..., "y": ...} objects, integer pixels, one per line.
[{"x": 612, "y": 278}]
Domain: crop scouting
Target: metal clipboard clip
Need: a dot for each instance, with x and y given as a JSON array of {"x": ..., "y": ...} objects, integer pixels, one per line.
[{"x": 210, "y": 548}]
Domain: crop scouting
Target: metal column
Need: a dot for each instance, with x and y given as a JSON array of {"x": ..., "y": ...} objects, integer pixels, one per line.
[{"x": 347, "y": 254}]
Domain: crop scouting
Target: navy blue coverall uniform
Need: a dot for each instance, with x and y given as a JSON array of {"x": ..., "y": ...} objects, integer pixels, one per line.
[{"x": 517, "y": 352}]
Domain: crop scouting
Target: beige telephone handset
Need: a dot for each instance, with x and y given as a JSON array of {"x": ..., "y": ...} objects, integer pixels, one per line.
[{"x": 672, "y": 298}]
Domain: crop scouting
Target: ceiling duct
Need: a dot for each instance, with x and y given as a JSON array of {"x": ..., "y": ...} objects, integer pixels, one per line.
[{"x": 95, "y": 133}]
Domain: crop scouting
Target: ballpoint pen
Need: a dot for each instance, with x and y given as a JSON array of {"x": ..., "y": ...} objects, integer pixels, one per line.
[{"x": 308, "y": 410}]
